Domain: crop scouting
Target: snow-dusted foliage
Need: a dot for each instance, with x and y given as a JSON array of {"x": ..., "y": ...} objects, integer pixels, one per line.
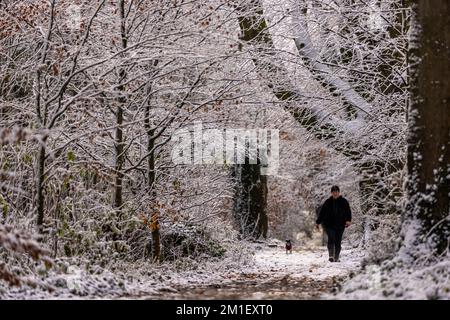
[
  {"x": 343, "y": 79},
  {"x": 15, "y": 242},
  {"x": 92, "y": 94}
]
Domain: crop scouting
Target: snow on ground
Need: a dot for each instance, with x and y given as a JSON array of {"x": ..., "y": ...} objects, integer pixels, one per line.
[
  {"x": 394, "y": 280},
  {"x": 253, "y": 271},
  {"x": 312, "y": 262},
  {"x": 271, "y": 274}
]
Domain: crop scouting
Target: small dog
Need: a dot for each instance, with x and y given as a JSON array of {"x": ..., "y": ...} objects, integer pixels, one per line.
[{"x": 288, "y": 246}]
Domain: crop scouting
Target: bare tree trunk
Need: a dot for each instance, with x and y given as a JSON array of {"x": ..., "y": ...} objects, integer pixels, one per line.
[
  {"x": 118, "y": 145},
  {"x": 156, "y": 239},
  {"x": 151, "y": 139},
  {"x": 428, "y": 187},
  {"x": 119, "y": 141},
  {"x": 150, "y": 146},
  {"x": 39, "y": 197},
  {"x": 42, "y": 121}
]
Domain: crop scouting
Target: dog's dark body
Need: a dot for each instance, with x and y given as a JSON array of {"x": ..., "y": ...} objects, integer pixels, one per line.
[{"x": 288, "y": 246}]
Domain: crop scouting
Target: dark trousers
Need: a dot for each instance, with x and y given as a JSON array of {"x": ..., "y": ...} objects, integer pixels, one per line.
[{"x": 334, "y": 241}]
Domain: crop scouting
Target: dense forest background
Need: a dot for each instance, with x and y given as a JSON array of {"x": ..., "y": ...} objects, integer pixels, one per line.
[{"x": 93, "y": 92}]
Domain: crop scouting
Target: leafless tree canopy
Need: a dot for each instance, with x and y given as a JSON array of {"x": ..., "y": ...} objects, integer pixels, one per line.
[{"x": 92, "y": 93}]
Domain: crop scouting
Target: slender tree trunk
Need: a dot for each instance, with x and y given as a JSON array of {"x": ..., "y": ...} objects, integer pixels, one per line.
[
  {"x": 118, "y": 144},
  {"x": 119, "y": 141},
  {"x": 428, "y": 187},
  {"x": 39, "y": 197},
  {"x": 156, "y": 239},
  {"x": 42, "y": 123},
  {"x": 155, "y": 226},
  {"x": 150, "y": 145}
]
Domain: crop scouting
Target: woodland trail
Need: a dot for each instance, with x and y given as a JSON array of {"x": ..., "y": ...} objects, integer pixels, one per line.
[
  {"x": 304, "y": 274},
  {"x": 269, "y": 274}
]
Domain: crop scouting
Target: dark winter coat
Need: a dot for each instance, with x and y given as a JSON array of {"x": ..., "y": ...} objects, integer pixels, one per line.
[{"x": 334, "y": 213}]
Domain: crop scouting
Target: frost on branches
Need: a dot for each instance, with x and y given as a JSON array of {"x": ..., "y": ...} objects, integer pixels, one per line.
[{"x": 92, "y": 94}]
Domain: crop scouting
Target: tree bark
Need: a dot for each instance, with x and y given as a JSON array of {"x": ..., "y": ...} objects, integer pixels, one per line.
[
  {"x": 150, "y": 146},
  {"x": 41, "y": 118},
  {"x": 39, "y": 197},
  {"x": 151, "y": 139},
  {"x": 250, "y": 201},
  {"x": 119, "y": 141},
  {"x": 118, "y": 145},
  {"x": 156, "y": 239},
  {"x": 428, "y": 187}
]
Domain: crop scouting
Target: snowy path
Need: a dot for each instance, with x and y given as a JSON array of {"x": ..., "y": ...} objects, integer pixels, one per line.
[
  {"x": 304, "y": 274},
  {"x": 271, "y": 274}
]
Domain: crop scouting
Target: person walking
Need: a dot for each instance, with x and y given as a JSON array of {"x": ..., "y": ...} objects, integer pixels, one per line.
[{"x": 334, "y": 216}]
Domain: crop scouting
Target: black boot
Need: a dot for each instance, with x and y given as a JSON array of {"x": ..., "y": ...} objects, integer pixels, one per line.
[{"x": 337, "y": 252}]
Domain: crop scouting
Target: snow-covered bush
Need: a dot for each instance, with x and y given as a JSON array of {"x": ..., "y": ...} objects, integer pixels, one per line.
[
  {"x": 397, "y": 279},
  {"x": 13, "y": 244},
  {"x": 181, "y": 240}
]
